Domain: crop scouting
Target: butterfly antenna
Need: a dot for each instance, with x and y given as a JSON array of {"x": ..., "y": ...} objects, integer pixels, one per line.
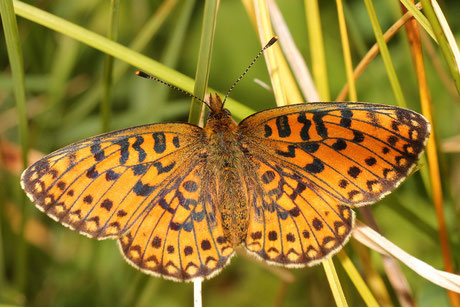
[
  {"x": 271, "y": 42},
  {"x": 147, "y": 76}
]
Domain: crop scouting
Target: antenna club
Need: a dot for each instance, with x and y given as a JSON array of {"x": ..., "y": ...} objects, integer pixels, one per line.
[
  {"x": 272, "y": 41},
  {"x": 143, "y": 74}
]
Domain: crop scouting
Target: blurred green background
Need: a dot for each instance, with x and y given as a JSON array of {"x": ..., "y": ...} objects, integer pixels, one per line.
[{"x": 67, "y": 269}]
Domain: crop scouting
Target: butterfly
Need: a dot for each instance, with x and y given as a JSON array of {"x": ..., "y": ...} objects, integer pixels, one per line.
[{"x": 282, "y": 183}]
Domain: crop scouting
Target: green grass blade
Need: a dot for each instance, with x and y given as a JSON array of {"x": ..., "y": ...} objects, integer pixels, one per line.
[
  {"x": 357, "y": 280},
  {"x": 146, "y": 35},
  {"x": 395, "y": 85},
  {"x": 450, "y": 49},
  {"x": 13, "y": 45},
  {"x": 422, "y": 20},
  {"x": 107, "y": 81},
  {"x": 118, "y": 51},
  {"x": 334, "y": 283},
  {"x": 204, "y": 58}
]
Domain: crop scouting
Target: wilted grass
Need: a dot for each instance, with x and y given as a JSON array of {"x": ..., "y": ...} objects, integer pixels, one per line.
[{"x": 63, "y": 79}]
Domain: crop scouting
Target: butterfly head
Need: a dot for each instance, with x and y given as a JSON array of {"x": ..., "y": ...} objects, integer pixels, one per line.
[{"x": 218, "y": 116}]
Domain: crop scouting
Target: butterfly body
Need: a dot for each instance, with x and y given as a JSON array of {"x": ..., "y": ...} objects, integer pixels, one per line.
[
  {"x": 226, "y": 171},
  {"x": 282, "y": 183}
]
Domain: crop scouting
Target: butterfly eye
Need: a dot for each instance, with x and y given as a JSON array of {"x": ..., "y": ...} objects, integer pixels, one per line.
[{"x": 227, "y": 112}]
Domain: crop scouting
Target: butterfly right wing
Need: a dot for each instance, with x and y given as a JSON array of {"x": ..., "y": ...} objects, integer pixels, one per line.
[
  {"x": 312, "y": 162},
  {"x": 293, "y": 221},
  {"x": 101, "y": 186}
]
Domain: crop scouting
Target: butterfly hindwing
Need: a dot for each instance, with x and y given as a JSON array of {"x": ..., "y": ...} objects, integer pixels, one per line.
[
  {"x": 293, "y": 221},
  {"x": 176, "y": 238},
  {"x": 102, "y": 185}
]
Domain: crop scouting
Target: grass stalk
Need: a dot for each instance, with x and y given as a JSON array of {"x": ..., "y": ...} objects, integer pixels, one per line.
[
  {"x": 107, "y": 80},
  {"x": 334, "y": 283},
  {"x": 357, "y": 280},
  {"x": 395, "y": 85},
  {"x": 318, "y": 55},
  {"x": 373, "y": 52},
  {"x": 265, "y": 32},
  {"x": 119, "y": 51},
  {"x": 14, "y": 50},
  {"x": 208, "y": 29},
  {"x": 446, "y": 41},
  {"x": 346, "y": 52}
]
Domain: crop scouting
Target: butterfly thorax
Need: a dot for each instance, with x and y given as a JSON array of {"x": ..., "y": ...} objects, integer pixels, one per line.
[{"x": 226, "y": 167}]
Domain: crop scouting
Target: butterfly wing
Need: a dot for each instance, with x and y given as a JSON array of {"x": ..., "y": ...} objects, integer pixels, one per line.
[
  {"x": 181, "y": 236},
  {"x": 312, "y": 160},
  {"x": 101, "y": 185},
  {"x": 141, "y": 178}
]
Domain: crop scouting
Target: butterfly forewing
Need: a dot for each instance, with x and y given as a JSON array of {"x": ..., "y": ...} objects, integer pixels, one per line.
[
  {"x": 357, "y": 152},
  {"x": 102, "y": 185}
]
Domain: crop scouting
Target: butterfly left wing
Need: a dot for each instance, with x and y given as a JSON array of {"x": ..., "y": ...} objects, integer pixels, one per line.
[
  {"x": 101, "y": 185},
  {"x": 313, "y": 161},
  {"x": 181, "y": 235}
]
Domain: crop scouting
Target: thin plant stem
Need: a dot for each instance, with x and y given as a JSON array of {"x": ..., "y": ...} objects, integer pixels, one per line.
[
  {"x": 106, "y": 101},
  {"x": 346, "y": 51},
  {"x": 13, "y": 46},
  {"x": 393, "y": 78},
  {"x": 204, "y": 58}
]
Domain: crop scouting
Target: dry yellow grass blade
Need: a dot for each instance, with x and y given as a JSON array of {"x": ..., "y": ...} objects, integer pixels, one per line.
[
  {"x": 293, "y": 55},
  {"x": 258, "y": 12},
  {"x": 265, "y": 34},
  {"x": 374, "y": 240}
]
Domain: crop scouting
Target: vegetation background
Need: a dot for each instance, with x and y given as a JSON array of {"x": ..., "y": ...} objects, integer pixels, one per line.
[{"x": 64, "y": 85}]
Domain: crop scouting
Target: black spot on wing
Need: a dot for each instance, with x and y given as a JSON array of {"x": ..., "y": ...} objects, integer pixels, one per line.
[
  {"x": 163, "y": 169},
  {"x": 315, "y": 167},
  {"x": 176, "y": 141},
  {"x": 124, "y": 150},
  {"x": 309, "y": 147},
  {"x": 111, "y": 175},
  {"x": 339, "y": 145},
  {"x": 358, "y": 136},
  {"x": 268, "y": 131},
  {"x": 268, "y": 177},
  {"x": 92, "y": 172},
  {"x": 345, "y": 121},
  {"x": 139, "y": 169},
  {"x": 142, "y": 189},
  {"x": 137, "y": 147},
  {"x": 288, "y": 154},
  {"x": 97, "y": 152},
  {"x": 304, "y": 132},
  {"x": 282, "y": 123},
  {"x": 319, "y": 124},
  {"x": 160, "y": 142}
]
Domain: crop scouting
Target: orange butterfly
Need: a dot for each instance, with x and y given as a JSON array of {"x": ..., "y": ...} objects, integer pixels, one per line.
[{"x": 181, "y": 198}]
